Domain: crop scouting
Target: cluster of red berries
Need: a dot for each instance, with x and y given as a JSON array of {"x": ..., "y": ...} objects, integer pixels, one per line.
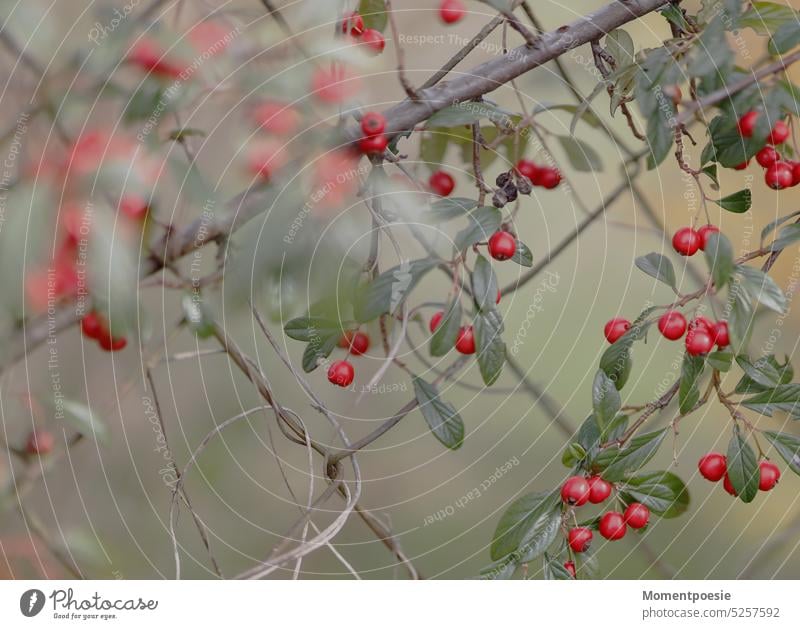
[
  {"x": 341, "y": 372},
  {"x": 779, "y": 173},
  {"x": 687, "y": 241},
  {"x": 714, "y": 467},
  {"x": 441, "y": 183},
  {"x": 701, "y": 333},
  {"x": 374, "y": 142},
  {"x": 577, "y": 491},
  {"x": 370, "y": 37},
  {"x": 545, "y": 176},
  {"x": 95, "y": 327},
  {"x": 451, "y": 11}
]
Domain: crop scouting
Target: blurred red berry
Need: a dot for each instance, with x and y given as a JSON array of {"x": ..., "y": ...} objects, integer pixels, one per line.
[{"x": 441, "y": 183}]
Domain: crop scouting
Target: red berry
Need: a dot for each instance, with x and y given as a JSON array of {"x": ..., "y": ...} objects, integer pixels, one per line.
[
  {"x": 672, "y": 325},
  {"x": 742, "y": 166},
  {"x": 713, "y": 466},
  {"x": 436, "y": 319},
  {"x": 465, "y": 343},
  {"x": 637, "y": 515},
  {"x": 374, "y": 41},
  {"x": 699, "y": 341},
  {"x": 729, "y": 486},
  {"x": 569, "y": 566},
  {"x": 441, "y": 183},
  {"x": 580, "y": 538},
  {"x": 341, "y": 373},
  {"x": 134, "y": 207},
  {"x": 575, "y": 491},
  {"x": 354, "y": 24},
  {"x": 112, "y": 344},
  {"x": 373, "y": 123},
  {"x": 795, "y": 173},
  {"x": 549, "y": 177},
  {"x": 779, "y": 176},
  {"x": 451, "y": 11},
  {"x": 612, "y": 526},
  {"x": 616, "y": 328},
  {"x": 599, "y": 490},
  {"x": 686, "y": 241},
  {"x": 747, "y": 124},
  {"x": 767, "y": 156},
  {"x": 769, "y": 475},
  {"x": 149, "y": 56},
  {"x": 40, "y": 442},
  {"x": 705, "y": 231},
  {"x": 779, "y": 134},
  {"x": 703, "y": 322},
  {"x": 92, "y": 326},
  {"x": 373, "y": 144},
  {"x": 722, "y": 335},
  {"x": 499, "y": 295},
  {"x": 528, "y": 169},
  {"x": 357, "y": 343},
  {"x": 502, "y": 245}
]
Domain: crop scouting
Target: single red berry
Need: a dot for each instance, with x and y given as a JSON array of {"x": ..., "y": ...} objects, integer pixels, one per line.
[
  {"x": 436, "y": 319},
  {"x": 528, "y": 169},
  {"x": 728, "y": 485},
  {"x": 373, "y": 123},
  {"x": 672, "y": 324},
  {"x": 699, "y": 341},
  {"x": 767, "y": 156},
  {"x": 686, "y": 241},
  {"x": 92, "y": 325},
  {"x": 615, "y": 329},
  {"x": 341, "y": 373},
  {"x": 703, "y": 322},
  {"x": 575, "y": 491},
  {"x": 747, "y": 124},
  {"x": 705, "y": 231},
  {"x": 580, "y": 538},
  {"x": 549, "y": 177},
  {"x": 722, "y": 334},
  {"x": 769, "y": 475},
  {"x": 353, "y": 24},
  {"x": 713, "y": 466},
  {"x": 612, "y": 526},
  {"x": 795, "y": 173},
  {"x": 779, "y": 134},
  {"x": 441, "y": 183},
  {"x": 742, "y": 166},
  {"x": 112, "y": 343},
  {"x": 637, "y": 515},
  {"x": 569, "y": 566},
  {"x": 465, "y": 343},
  {"x": 451, "y": 11},
  {"x": 40, "y": 442},
  {"x": 599, "y": 489},
  {"x": 779, "y": 176},
  {"x": 374, "y": 41},
  {"x": 134, "y": 207},
  {"x": 373, "y": 144},
  {"x": 502, "y": 245},
  {"x": 357, "y": 343}
]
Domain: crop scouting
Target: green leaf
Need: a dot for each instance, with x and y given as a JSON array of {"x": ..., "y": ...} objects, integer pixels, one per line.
[
  {"x": 196, "y": 316},
  {"x": 483, "y": 222},
  {"x": 606, "y": 400},
  {"x": 764, "y": 374},
  {"x": 785, "y": 38},
  {"x": 786, "y": 236},
  {"x": 616, "y": 360},
  {"x": 770, "y": 372},
  {"x": 450, "y": 207},
  {"x": 689, "y": 392},
  {"x": 309, "y": 328},
  {"x": 788, "y": 446},
  {"x": 443, "y": 420},
  {"x": 720, "y": 360},
  {"x": 467, "y": 113},
  {"x": 659, "y": 267},
  {"x": 763, "y": 288},
  {"x": 719, "y": 256},
  {"x": 662, "y": 492},
  {"x": 489, "y": 345},
  {"x": 446, "y": 334},
  {"x": 553, "y": 570},
  {"x": 776, "y": 223},
  {"x": 387, "y": 291},
  {"x": 766, "y": 17},
  {"x": 727, "y": 145},
  {"x": 522, "y": 255},
  {"x": 374, "y": 14},
  {"x": 784, "y": 397},
  {"x": 484, "y": 284},
  {"x": 581, "y": 156},
  {"x": 738, "y": 202},
  {"x": 615, "y": 462},
  {"x": 317, "y": 350},
  {"x": 526, "y": 525},
  {"x": 742, "y": 467},
  {"x": 620, "y": 46},
  {"x": 82, "y": 419}
]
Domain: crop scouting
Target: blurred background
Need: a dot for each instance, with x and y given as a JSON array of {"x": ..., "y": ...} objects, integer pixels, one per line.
[{"x": 106, "y": 502}]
